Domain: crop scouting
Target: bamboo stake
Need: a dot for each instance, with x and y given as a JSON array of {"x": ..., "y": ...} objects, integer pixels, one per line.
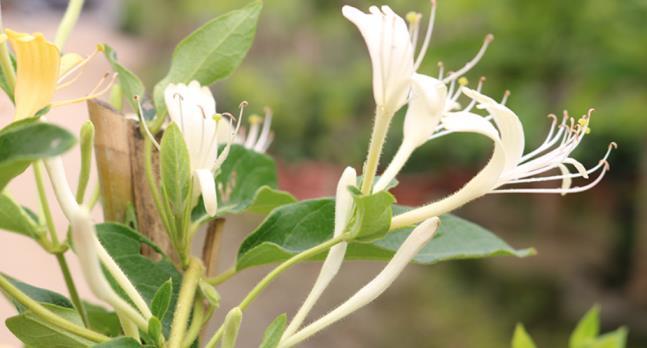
[
  {"x": 120, "y": 161},
  {"x": 112, "y": 154}
]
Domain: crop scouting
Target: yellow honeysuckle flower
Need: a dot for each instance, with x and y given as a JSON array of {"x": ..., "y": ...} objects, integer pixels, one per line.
[
  {"x": 41, "y": 70},
  {"x": 37, "y": 70}
]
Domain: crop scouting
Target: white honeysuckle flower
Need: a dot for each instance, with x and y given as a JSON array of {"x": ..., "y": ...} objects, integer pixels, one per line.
[
  {"x": 260, "y": 136},
  {"x": 508, "y": 165},
  {"x": 392, "y": 55},
  {"x": 418, "y": 238},
  {"x": 430, "y": 98},
  {"x": 193, "y": 109},
  {"x": 335, "y": 257}
]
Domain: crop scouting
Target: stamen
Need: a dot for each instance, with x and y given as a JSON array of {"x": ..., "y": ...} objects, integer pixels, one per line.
[
  {"x": 486, "y": 42},
  {"x": 81, "y": 64},
  {"x": 223, "y": 155},
  {"x": 472, "y": 103},
  {"x": 584, "y": 174},
  {"x": 441, "y": 70},
  {"x": 93, "y": 94},
  {"x": 425, "y": 43},
  {"x": 606, "y": 168},
  {"x": 70, "y": 82},
  {"x": 506, "y": 95}
]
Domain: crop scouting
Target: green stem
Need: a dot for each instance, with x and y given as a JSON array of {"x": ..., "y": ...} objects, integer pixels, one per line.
[
  {"x": 71, "y": 288},
  {"x": 44, "y": 205},
  {"x": 381, "y": 127},
  {"x": 216, "y": 337},
  {"x": 185, "y": 302},
  {"x": 48, "y": 315},
  {"x": 94, "y": 199},
  {"x": 223, "y": 277},
  {"x": 152, "y": 185},
  {"x": 5, "y": 63},
  {"x": 62, "y": 263},
  {"x": 306, "y": 254},
  {"x": 68, "y": 22},
  {"x": 197, "y": 322}
]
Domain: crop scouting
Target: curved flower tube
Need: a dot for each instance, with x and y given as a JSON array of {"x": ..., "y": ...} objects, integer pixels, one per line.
[
  {"x": 193, "y": 109},
  {"x": 335, "y": 257},
  {"x": 418, "y": 238},
  {"x": 40, "y": 71},
  {"x": 91, "y": 252},
  {"x": 508, "y": 165}
]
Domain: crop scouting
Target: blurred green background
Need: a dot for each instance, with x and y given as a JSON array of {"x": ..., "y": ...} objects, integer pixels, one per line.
[{"x": 311, "y": 66}]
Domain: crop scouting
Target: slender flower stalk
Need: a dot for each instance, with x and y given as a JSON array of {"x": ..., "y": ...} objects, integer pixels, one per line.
[
  {"x": 508, "y": 165},
  {"x": 335, "y": 257},
  {"x": 193, "y": 108},
  {"x": 407, "y": 251}
]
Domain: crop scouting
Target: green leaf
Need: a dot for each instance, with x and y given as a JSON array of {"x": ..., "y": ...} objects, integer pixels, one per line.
[
  {"x": 103, "y": 320},
  {"x": 120, "y": 342},
  {"x": 124, "y": 245},
  {"x": 14, "y": 218},
  {"x": 521, "y": 339},
  {"x": 35, "y": 332},
  {"x": 274, "y": 331},
  {"x": 29, "y": 140},
  {"x": 295, "y": 227},
  {"x": 155, "y": 329},
  {"x": 267, "y": 199},
  {"x": 587, "y": 329},
  {"x": 175, "y": 169},
  {"x": 615, "y": 339},
  {"x": 372, "y": 217},
  {"x": 162, "y": 299},
  {"x": 213, "y": 51},
  {"x": 131, "y": 85},
  {"x": 246, "y": 179},
  {"x": 38, "y": 294}
]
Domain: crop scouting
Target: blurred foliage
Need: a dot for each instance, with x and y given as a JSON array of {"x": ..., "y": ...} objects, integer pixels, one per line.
[{"x": 311, "y": 66}]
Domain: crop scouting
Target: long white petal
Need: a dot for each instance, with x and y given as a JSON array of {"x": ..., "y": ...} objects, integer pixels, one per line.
[
  {"x": 389, "y": 44},
  {"x": 426, "y": 105},
  {"x": 208, "y": 189},
  {"x": 507, "y": 123},
  {"x": 407, "y": 251},
  {"x": 479, "y": 185}
]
